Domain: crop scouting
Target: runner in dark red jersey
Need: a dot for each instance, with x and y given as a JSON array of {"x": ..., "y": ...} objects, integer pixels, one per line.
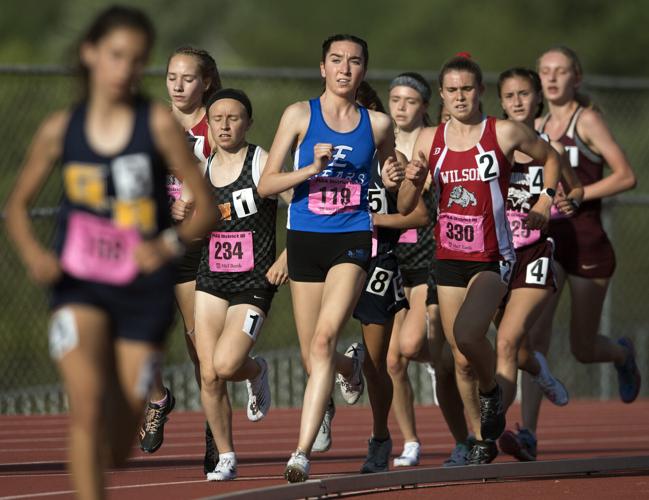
[
  {"x": 191, "y": 77},
  {"x": 583, "y": 252},
  {"x": 532, "y": 283},
  {"x": 470, "y": 158}
]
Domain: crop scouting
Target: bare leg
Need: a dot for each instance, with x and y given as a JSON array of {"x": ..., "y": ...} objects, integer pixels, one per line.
[{"x": 379, "y": 386}]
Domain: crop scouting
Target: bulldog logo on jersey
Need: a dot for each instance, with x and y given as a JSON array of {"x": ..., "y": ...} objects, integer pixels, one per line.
[{"x": 461, "y": 196}]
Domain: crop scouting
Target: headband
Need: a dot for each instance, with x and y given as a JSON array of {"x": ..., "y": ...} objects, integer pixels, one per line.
[
  {"x": 237, "y": 95},
  {"x": 413, "y": 83}
]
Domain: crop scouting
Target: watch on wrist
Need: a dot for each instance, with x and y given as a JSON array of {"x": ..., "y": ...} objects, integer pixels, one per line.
[{"x": 549, "y": 192}]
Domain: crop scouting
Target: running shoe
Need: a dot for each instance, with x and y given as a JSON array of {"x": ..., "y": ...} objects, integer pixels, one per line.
[
  {"x": 552, "y": 387},
  {"x": 378, "y": 456},
  {"x": 323, "y": 438},
  {"x": 152, "y": 430},
  {"x": 482, "y": 452},
  {"x": 431, "y": 372},
  {"x": 297, "y": 468},
  {"x": 352, "y": 388},
  {"x": 628, "y": 375},
  {"x": 409, "y": 456},
  {"x": 258, "y": 393},
  {"x": 520, "y": 444},
  {"x": 492, "y": 414},
  {"x": 225, "y": 470},
  {"x": 211, "y": 453},
  {"x": 459, "y": 455}
]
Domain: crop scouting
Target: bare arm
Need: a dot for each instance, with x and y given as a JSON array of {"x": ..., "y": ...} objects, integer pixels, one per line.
[
  {"x": 46, "y": 147},
  {"x": 594, "y": 131},
  {"x": 568, "y": 202},
  {"x": 417, "y": 218},
  {"x": 170, "y": 141},
  {"x": 293, "y": 124},
  {"x": 416, "y": 172}
]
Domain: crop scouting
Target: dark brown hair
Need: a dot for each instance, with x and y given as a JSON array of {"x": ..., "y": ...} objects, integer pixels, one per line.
[
  {"x": 461, "y": 63},
  {"x": 326, "y": 45},
  {"x": 531, "y": 76}
]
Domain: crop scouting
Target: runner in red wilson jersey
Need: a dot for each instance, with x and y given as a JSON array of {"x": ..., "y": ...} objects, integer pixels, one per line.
[{"x": 470, "y": 158}]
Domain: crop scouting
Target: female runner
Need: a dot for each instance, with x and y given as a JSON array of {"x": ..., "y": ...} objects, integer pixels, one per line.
[
  {"x": 110, "y": 272},
  {"x": 583, "y": 254},
  {"x": 329, "y": 224},
  {"x": 470, "y": 158}
]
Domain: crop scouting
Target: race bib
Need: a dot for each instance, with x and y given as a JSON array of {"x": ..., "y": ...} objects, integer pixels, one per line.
[
  {"x": 174, "y": 189},
  {"x": 231, "y": 252},
  {"x": 521, "y": 234},
  {"x": 408, "y": 236},
  {"x": 96, "y": 250},
  {"x": 461, "y": 233},
  {"x": 330, "y": 195}
]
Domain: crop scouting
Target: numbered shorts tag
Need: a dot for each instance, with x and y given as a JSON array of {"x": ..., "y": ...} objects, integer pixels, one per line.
[
  {"x": 536, "y": 272},
  {"x": 397, "y": 283},
  {"x": 63, "y": 334},
  {"x": 488, "y": 167},
  {"x": 379, "y": 282},
  {"x": 252, "y": 323}
]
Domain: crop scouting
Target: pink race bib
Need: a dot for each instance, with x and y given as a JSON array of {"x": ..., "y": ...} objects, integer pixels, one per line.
[
  {"x": 231, "y": 252},
  {"x": 96, "y": 250},
  {"x": 174, "y": 191},
  {"x": 331, "y": 195},
  {"x": 521, "y": 235},
  {"x": 461, "y": 233},
  {"x": 409, "y": 236}
]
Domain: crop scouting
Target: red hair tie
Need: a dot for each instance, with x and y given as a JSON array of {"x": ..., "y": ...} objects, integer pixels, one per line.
[{"x": 466, "y": 55}]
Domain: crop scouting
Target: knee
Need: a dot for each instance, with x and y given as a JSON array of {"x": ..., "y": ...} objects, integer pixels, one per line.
[
  {"x": 395, "y": 366},
  {"x": 208, "y": 378},
  {"x": 507, "y": 349},
  {"x": 582, "y": 351},
  {"x": 86, "y": 414},
  {"x": 323, "y": 345},
  {"x": 410, "y": 347},
  {"x": 462, "y": 366},
  {"x": 224, "y": 369}
]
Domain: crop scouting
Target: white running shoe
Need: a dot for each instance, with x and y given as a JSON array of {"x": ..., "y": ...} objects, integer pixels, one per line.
[
  {"x": 431, "y": 372},
  {"x": 352, "y": 388},
  {"x": 225, "y": 470},
  {"x": 409, "y": 456},
  {"x": 258, "y": 393},
  {"x": 323, "y": 438},
  {"x": 552, "y": 387},
  {"x": 378, "y": 456},
  {"x": 297, "y": 468}
]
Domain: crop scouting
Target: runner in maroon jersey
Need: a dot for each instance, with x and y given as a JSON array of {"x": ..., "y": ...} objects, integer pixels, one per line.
[
  {"x": 532, "y": 283},
  {"x": 191, "y": 77},
  {"x": 470, "y": 158},
  {"x": 583, "y": 252}
]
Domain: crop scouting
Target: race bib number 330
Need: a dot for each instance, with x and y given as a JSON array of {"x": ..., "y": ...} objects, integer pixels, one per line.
[{"x": 461, "y": 233}]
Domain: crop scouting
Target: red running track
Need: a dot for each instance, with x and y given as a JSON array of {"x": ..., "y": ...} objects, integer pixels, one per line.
[{"x": 32, "y": 455}]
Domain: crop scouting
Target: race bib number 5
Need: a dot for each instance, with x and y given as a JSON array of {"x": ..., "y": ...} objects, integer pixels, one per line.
[
  {"x": 96, "y": 250},
  {"x": 231, "y": 252},
  {"x": 330, "y": 195},
  {"x": 461, "y": 233}
]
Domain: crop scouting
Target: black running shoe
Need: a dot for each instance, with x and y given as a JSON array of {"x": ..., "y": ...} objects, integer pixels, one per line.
[
  {"x": 152, "y": 430},
  {"x": 211, "y": 453},
  {"x": 492, "y": 414},
  {"x": 483, "y": 452}
]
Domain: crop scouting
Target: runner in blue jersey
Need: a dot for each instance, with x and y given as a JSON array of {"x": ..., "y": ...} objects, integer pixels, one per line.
[
  {"x": 329, "y": 236},
  {"x": 110, "y": 272}
]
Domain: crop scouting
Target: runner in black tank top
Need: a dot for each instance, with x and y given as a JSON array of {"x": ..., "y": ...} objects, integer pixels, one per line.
[
  {"x": 111, "y": 274},
  {"x": 561, "y": 72},
  {"x": 233, "y": 291},
  {"x": 382, "y": 297},
  {"x": 191, "y": 76}
]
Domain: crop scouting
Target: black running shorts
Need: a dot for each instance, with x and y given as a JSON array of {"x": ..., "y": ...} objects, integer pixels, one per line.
[{"x": 458, "y": 273}]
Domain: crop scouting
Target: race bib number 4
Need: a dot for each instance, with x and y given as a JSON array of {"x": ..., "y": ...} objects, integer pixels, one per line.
[
  {"x": 330, "y": 195},
  {"x": 521, "y": 234},
  {"x": 231, "y": 252},
  {"x": 96, "y": 250},
  {"x": 461, "y": 233}
]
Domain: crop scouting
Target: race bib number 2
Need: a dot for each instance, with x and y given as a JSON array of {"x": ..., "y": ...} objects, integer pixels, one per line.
[{"x": 330, "y": 195}]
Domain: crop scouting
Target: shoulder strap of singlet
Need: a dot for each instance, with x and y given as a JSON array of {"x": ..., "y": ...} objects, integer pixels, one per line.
[
  {"x": 544, "y": 121},
  {"x": 570, "y": 132}
]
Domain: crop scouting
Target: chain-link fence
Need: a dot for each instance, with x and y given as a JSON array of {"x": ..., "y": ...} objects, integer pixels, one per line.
[{"x": 28, "y": 380}]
